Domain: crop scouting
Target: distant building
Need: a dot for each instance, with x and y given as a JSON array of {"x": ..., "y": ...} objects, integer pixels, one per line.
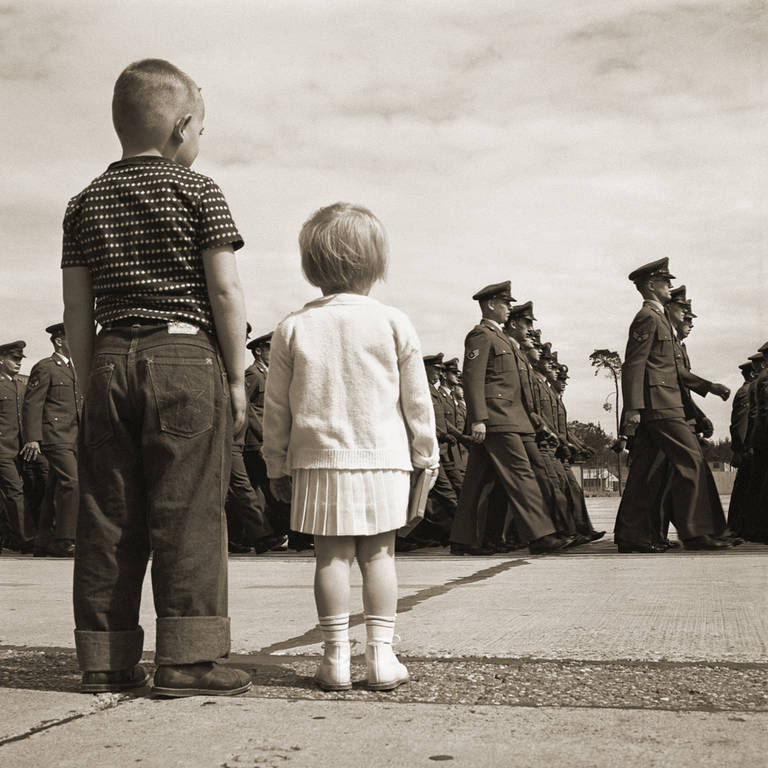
[{"x": 599, "y": 480}]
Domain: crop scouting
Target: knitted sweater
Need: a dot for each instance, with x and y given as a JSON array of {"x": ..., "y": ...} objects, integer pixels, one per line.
[{"x": 347, "y": 389}]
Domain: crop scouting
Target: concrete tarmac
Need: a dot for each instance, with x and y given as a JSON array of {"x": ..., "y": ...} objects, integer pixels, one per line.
[{"x": 581, "y": 659}]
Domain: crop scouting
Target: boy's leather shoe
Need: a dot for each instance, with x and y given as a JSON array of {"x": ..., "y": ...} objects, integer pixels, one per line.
[
  {"x": 705, "y": 542},
  {"x": 204, "y": 679},
  {"x": 545, "y": 544},
  {"x": 114, "y": 680}
]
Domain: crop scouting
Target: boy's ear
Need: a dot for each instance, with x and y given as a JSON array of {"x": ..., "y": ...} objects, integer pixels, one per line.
[{"x": 180, "y": 127}]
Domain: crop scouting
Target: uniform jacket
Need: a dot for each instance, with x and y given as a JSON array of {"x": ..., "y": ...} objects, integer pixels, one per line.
[
  {"x": 651, "y": 378},
  {"x": 740, "y": 417},
  {"x": 528, "y": 388},
  {"x": 492, "y": 381},
  {"x": 255, "y": 385},
  {"x": 52, "y": 404},
  {"x": 758, "y": 428},
  {"x": 11, "y": 404}
]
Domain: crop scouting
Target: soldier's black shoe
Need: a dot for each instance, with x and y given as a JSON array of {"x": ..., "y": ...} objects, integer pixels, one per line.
[
  {"x": 59, "y": 548},
  {"x": 547, "y": 544},
  {"x": 578, "y": 540},
  {"x": 237, "y": 549},
  {"x": 705, "y": 542},
  {"x": 114, "y": 681},
  {"x": 405, "y": 545},
  {"x": 266, "y": 544},
  {"x": 595, "y": 535},
  {"x": 669, "y": 544},
  {"x": 629, "y": 547},
  {"x": 461, "y": 549}
]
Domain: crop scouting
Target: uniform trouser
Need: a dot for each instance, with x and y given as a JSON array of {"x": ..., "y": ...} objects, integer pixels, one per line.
[
  {"x": 576, "y": 502},
  {"x": 245, "y": 506},
  {"x": 453, "y": 472},
  {"x": 35, "y": 476},
  {"x": 683, "y": 476},
  {"x": 155, "y": 451},
  {"x": 442, "y": 504},
  {"x": 756, "y": 515},
  {"x": 738, "y": 509},
  {"x": 18, "y": 516},
  {"x": 278, "y": 513},
  {"x": 61, "y": 502},
  {"x": 502, "y": 455},
  {"x": 545, "y": 467}
]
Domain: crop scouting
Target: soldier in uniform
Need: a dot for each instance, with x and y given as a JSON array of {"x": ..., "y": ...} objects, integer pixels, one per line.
[
  {"x": 756, "y": 523},
  {"x": 498, "y": 423},
  {"x": 570, "y": 448},
  {"x": 456, "y": 417},
  {"x": 540, "y": 449},
  {"x": 654, "y": 412},
  {"x": 442, "y": 498},
  {"x": 278, "y": 513},
  {"x": 51, "y": 417},
  {"x": 742, "y": 452},
  {"x": 18, "y": 527}
]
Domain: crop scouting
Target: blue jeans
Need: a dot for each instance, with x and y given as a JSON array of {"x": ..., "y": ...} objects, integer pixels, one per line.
[{"x": 154, "y": 453}]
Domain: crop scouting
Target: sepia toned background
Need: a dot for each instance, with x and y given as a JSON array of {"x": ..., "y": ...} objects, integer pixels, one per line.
[{"x": 557, "y": 144}]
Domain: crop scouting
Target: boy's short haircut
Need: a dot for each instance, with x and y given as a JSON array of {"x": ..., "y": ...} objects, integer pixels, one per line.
[
  {"x": 149, "y": 95},
  {"x": 343, "y": 248}
]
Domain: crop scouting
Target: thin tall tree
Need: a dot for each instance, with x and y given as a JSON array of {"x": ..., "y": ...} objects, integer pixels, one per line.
[{"x": 608, "y": 361}]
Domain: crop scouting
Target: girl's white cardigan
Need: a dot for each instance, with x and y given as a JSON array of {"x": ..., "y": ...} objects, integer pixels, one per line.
[{"x": 347, "y": 389}]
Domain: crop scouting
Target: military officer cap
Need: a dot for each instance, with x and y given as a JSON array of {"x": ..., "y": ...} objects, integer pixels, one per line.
[
  {"x": 13, "y": 348},
  {"x": 677, "y": 295},
  {"x": 764, "y": 348},
  {"x": 452, "y": 364},
  {"x": 546, "y": 350},
  {"x": 745, "y": 366},
  {"x": 562, "y": 372},
  {"x": 658, "y": 268},
  {"x": 259, "y": 341},
  {"x": 522, "y": 310},
  {"x": 436, "y": 361},
  {"x": 57, "y": 329},
  {"x": 248, "y": 329},
  {"x": 500, "y": 291},
  {"x": 689, "y": 314},
  {"x": 756, "y": 356},
  {"x": 535, "y": 334}
]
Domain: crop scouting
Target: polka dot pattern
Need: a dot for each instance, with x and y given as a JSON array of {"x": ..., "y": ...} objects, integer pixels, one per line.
[{"x": 141, "y": 228}]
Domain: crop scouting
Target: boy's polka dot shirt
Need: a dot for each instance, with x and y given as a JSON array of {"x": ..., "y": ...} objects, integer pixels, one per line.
[{"x": 141, "y": 228}]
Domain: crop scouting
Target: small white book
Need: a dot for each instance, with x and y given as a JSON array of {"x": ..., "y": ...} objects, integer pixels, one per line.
[{"x": 422, "y": 481}]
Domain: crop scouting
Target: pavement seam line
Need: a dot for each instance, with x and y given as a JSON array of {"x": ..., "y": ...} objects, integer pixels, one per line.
[{"x": 405, "y": 604}]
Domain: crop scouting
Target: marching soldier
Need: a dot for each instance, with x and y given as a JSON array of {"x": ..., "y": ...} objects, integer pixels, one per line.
[
  {"x": 456, "y": 417},
  {"x": 540, "y": 446},
  {"x": 756, "y": 524},
  {"x": 442, "y": 497},
  {"x": 652, "y": 384},
  {"x": 742, "y": 452},
  {"x": 498, "y": 423},
  {"x": 51, "y": 417},
  {"x": 18, "y": 523}
]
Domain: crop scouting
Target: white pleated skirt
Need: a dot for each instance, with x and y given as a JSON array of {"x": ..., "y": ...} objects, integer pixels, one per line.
[{"x": 349, "y": 502}]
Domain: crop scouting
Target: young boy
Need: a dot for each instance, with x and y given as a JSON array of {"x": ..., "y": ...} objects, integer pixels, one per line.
[{"x": 149, "y": 255}]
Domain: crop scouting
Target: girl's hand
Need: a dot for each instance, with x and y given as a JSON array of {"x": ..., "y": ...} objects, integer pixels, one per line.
[{"x": 281, "y": 488}]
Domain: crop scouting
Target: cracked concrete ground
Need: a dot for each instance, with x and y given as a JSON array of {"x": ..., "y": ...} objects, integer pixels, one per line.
[{"x": 583, "y": 659}]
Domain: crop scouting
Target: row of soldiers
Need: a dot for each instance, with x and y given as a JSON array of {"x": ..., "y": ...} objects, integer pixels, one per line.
[
  {"x": 39, "y": 489},
  {"x": 669, "y": 480},
  {"x": 748, "y": 511},
  {"x": 505, "y": 478}
]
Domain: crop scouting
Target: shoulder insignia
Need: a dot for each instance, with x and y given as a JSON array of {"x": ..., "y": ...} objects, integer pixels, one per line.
[
  {"x": 472, "y": 354},
  {"x": 640, "y": 335}
]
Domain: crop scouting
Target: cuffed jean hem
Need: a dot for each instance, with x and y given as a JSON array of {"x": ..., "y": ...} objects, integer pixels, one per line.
[
  {"x": 191, "y": 639},
  {"x": 103, "y": 651}
]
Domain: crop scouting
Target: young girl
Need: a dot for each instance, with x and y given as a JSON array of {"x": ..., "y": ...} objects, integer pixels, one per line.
[{"x": 347, "y": 417}]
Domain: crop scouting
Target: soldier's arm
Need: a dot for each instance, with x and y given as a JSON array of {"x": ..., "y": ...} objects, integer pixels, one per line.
[
  {"x": 642, "y": 333},
  {"x": 32, "y": 410},
  {"x": 476, "y": 350}
]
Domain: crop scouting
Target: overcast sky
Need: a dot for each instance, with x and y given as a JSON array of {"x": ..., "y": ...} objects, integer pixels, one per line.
[{"x": 555, "y": 143}]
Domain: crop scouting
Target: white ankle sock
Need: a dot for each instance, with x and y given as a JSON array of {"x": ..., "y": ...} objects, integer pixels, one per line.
[
  {"x": 335, "y": 629},
  {"x": 380, "y": 629}
]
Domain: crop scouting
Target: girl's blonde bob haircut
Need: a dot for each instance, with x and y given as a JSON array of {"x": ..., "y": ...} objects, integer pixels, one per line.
[{"x": 343, "y": 249}]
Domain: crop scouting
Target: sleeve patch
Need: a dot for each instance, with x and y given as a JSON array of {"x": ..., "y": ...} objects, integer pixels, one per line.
[
  {"x": 472, "y": 354},
  {"x": 640, "y": 336},
  {"x": 33, "y": 383}
]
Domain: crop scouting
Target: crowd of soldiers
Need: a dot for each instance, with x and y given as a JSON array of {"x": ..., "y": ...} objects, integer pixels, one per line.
[{"x": 505, "y": 478}]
